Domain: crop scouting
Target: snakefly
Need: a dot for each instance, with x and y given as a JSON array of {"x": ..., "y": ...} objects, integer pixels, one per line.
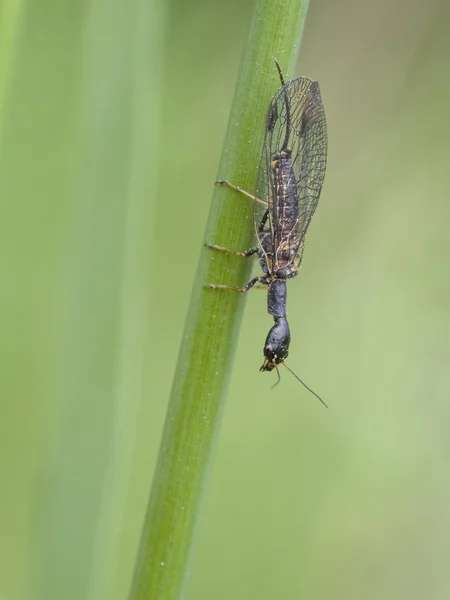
[{"x": 291, "y": 174}]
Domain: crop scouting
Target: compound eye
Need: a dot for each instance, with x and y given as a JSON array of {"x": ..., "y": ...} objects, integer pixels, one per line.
[{"x": 269, "y": 353}]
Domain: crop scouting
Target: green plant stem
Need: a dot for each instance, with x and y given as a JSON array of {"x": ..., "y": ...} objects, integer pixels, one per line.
[
  {"x": 212, "y": 326},
  {"x": 10, "y": 24}
]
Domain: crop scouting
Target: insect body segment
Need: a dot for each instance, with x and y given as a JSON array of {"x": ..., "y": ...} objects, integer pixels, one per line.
[
  {"x": 276, "y": 348},
  {"x": 284, "y": 237},
  {"x": 291, "y": 174}
]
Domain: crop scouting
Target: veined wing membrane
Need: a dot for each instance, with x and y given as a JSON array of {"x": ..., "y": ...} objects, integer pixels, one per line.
[{"x": 296, "y": 133}]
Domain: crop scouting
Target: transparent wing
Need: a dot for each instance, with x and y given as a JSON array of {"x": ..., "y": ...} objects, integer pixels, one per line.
[{"x": 295, "y": 121}]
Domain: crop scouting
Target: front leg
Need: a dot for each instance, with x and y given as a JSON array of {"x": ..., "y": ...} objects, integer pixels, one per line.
[
  {"x": 241, "y": 191},
  {"x": 236, "y": 252},
  {"x": 247, "y": 287}
]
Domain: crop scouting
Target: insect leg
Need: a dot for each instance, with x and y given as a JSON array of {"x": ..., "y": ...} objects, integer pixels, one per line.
[
  {"x": 236, "y": 252},
  {"x": 241, "y": 191},
  {"x": 246, "y": 287}
]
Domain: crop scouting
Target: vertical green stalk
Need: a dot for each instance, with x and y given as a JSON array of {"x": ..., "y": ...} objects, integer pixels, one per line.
[
  {"x": 10, "y": 21},
  {"x": 212, "y": 326},
  {"x": 77, "y": 151}
]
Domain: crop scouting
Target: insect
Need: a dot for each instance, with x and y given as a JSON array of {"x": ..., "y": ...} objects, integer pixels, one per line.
[{"x": 291, "y": 174}]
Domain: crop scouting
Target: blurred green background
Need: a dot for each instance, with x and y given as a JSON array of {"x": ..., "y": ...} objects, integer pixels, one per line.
[{"x": 106, "y": 105}]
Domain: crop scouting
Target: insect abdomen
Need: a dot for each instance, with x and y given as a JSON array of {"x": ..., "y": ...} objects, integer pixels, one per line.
[{"x": 285, "y": 215}]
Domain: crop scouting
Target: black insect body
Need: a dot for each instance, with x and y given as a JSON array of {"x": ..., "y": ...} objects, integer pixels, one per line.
[
  {"x": 278, "y": 339},
  {"x": 291, "y": 174}
]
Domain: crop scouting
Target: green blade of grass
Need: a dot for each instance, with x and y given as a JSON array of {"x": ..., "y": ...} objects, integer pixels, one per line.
[
  {"x": 78, "y": 101},
  {"x": 213, "y": 321},
  {"x": 10, "y": 25},
  {"x": 105, "y": 300}
]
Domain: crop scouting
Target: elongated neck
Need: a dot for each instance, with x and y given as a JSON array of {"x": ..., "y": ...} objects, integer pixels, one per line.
[{"x": 276, "y": 298}]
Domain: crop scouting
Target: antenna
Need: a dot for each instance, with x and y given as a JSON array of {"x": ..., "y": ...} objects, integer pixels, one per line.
[
  {"x": 303, "y": 383},
  {"x": 279, "y": 378}
]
